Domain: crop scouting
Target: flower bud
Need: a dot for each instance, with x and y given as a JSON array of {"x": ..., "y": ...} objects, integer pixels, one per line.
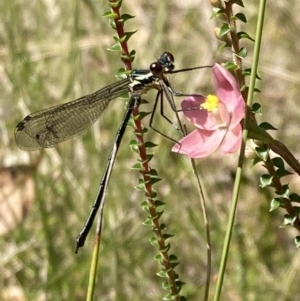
[
  {"x": 223, "y": 38},
  {"x": 216, "y": 3}
]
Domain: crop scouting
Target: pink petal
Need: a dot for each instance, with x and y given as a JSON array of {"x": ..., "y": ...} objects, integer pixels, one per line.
[
  {"x": 229, "y": 93},
  {"x": 199, "y": 117},
  {"x": 238, "y": 114},
  {"x": 199, "y": 143},
  {"x": 228, "y": 89},
  {"x": 224, "y": 114},
  {"x": 227, "y": 86},
  {"x": 232, "y": 140}
]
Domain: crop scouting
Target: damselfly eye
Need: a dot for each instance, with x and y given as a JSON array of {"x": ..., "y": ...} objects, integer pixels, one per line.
[
  {"x": 169, "y": 56},
  {"x": 167, "y": 61},
  {"x": 156, "y": 68}
]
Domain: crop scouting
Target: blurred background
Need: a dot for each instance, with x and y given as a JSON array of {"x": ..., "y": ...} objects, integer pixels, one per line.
[{"x": 52, "y": 52}]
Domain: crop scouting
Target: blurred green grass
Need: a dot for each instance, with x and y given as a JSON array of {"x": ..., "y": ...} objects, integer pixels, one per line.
[{"x": 53, "y": 52}]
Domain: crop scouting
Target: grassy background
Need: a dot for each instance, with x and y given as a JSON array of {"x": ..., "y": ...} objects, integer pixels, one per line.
[{"x": 55, "y": 51}]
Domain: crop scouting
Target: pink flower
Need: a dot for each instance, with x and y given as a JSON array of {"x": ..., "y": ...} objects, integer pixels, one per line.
[{"x": 217, "y": 118}]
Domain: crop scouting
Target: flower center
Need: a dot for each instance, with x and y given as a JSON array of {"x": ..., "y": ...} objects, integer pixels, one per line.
[
  {"x": 217, "y": 111},
  {"x": 211, "y": 104}
]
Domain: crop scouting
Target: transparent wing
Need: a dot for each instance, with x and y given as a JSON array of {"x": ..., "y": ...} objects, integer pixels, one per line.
[{"x": 51, "y": 126}]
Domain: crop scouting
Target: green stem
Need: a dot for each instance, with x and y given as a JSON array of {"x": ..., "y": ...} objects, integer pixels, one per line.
[{"x": 238, "y": 178}]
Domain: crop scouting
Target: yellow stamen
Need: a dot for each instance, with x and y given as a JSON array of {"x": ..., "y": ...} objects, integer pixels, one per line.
[{"x": 211, "y": 103}]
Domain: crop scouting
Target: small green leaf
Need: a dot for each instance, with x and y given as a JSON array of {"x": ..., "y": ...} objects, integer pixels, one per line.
[
  {"x": 137, "y": 166},
  {"x": 262, "y": 151},
  {"x": 158, "y": 257},
  {"x": 159, "y": 203},
  {"x": 267, "y": 126},
  {"x": 116, "y": 47},
  {"x": 149, "y": 157},
  {"x": 122, "y": 73},
  {"x": 285, "y": 193},
  {"x": 281, "y": 172},
  {"x": 294, "y": 197},
  {"x": 144, "y": 130},
  {"x": 150, "y": 144},
  {"x": 168, "y": 297},
  {"x": 223, "y": 46},
  {"x": 153, "y": 172},
  {"x": 121, "y": 40},
  {"x": 133, "y": 143},
  {"x": 144, "y": 101},
  {"x": 130, "y": 123},
  {"x": 112, "y": 24},
  {"x": 224, "y": 29},
  {"x": 144, "y": 204},
  {"x": 246, "y": 72},
  {"x": 162, "y": 227},
  {"x": 110, "y": 15},
  {"x": 173, "y": 258},
  {"x": 167, "y": 236},
  {"x": 230, "y": 66},
  {"x": 125, "y": 17},
  {"x": 159, "y": 214},
  {"x": 153, "y": 194},
  {"x": 297, "y": 211},
  {"x": 265, "y": 180},
  {"x": 278, "y": 162},
  {"x": 127, "y": 36},
  {"x": 239, "y": 2},
  {"x": 127, "y": 58},
  {"x": 134, "y": 149},
  {"x": 275, "y": 203},
  {"x": 244, "y": 35},
  {"x": 132, "y": 53},
  {"x": 242, "y": 53},
  {"x": 153, "y": 241},
  {"x": 241, "y": 17},
  {"x": 256, "y": 108},
  {"x": 179, "y": 283},
  {"x": 144, "y": 114},
  {"x": 166, "y": 249},
  {"x": 162, "y": 273},
  {"x": 147, "y": 222},
  {"x": 154, "y": 180},
  {"x": 218, "y": 12},
  {"x": 288, "y": 220},
  {"x": 115, "y": 4},
  {"x": 256, "y": 90},
  {"x": 116, "y": 39},
  {"x": 166, "y": 285},
  {"x": 140, "y": 185},
  {"x": 297, "y": 241}
]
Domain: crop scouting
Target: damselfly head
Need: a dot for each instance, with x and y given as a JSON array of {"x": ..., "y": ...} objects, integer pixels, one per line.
[{"x": 156, "y": 69}]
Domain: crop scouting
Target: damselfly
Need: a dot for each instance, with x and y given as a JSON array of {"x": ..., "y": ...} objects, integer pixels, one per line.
[{"x": 49, "y": 127}]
